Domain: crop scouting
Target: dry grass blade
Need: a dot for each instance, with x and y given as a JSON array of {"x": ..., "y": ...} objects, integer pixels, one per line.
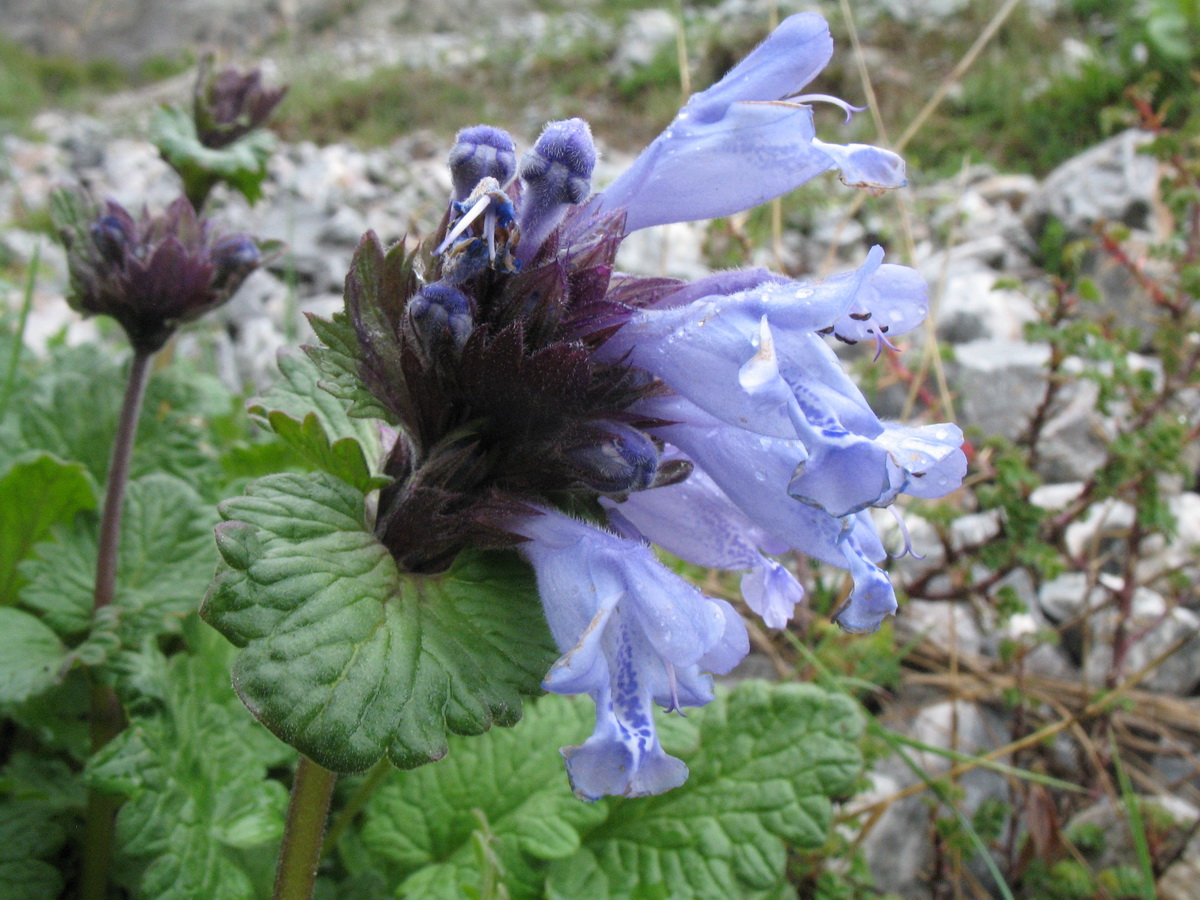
[{"x": 1080, "y": 700}]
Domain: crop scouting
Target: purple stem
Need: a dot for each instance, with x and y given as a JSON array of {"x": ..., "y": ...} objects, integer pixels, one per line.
[{"x": 106, "y": 718}]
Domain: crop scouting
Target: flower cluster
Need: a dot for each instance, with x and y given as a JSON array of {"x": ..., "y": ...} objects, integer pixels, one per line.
[
  {"x": 151, "y": 274},
  {"x": 541, "y": 398}
]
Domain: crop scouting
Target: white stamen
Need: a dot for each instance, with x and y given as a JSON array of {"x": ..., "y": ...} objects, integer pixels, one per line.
[
  {"x": 489, "y": 228},
  {"x": 826, "y": 98},
  {"x": 674, "y": 707},
  {"x": 908, "y": 547},
  {"x": 462, "y": 224}
]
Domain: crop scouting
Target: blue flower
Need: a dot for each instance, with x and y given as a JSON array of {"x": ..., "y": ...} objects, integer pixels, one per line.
[
  {"x": 748, "y": 138},
  {"x": 696, "y": 521},
  {"x": 632, "y": 634},
  {"x": 527, "y": 377}
]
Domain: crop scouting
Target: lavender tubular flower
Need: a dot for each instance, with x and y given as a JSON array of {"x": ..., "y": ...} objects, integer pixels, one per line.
[
  {"x": 694, "y": 520},
  {"x": 631, "y": 633},
  {"x": 747, "y": 139}
]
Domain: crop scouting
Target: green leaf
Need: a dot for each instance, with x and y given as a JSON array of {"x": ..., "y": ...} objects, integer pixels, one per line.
[
  {"x": 316, "y": 424},
  {"x": 166, "y": 561},
  {"x": 764, "y": 763},
  {"x": 347, "y": 659},
  {"x": 764, "y": 759},
  {"x": 38, "y": 491},
  {"x": 342, "y": 458},
  {"x": 193, "y": 772},
  {"x": 31, "y": 656},
  {"x": 418, "y": 828},
  {"x": 74, "y": 405},
  {"x": 242, "y": 164},
  {"x": 338, "y": 362},
  {"x": 29, "y": 879},
  {"x": 58, "y": 717},
  {"x": 36, "y": 794}
]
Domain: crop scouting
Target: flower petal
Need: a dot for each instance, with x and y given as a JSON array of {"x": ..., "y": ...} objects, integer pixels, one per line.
[
  {"x": 743, "y": 141},
  {"x": 864, "y": 166},
  {"x": 632, "y": 633}
]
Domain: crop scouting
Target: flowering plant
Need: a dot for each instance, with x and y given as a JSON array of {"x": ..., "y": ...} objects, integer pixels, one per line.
[{"x": 534, "y": 397}]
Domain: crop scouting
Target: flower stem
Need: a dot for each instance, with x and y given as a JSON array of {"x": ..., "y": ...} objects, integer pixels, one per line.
[
  {"x": 304, "y": 832},
  {"x": 118, "y": 477},
  {"x": 345, "y": 818},
  {"x": 106, "y": 716}
]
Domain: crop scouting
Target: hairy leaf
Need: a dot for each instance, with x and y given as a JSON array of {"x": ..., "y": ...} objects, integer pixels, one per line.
[
  {"x": 418, "y": 829},
  {"x": 337, "y": 359},
  {"x": 192, "y": 768},
  {"x": 166, "y": 561},
  {"x": 242, "y": 164},
  {"x": 31, "y": 656},
  {"x": 764, "y": 759},
  {"x": 37, "y": 492},
  {"x": 316, "y": 424},
  {"x": 346, "y": 658},
  {"x": 36, "y": 797},
  {"x": 765, "y": 762}
]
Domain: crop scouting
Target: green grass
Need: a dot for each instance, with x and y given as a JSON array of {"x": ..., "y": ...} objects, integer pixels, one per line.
[{"x": 30, "y": 82}]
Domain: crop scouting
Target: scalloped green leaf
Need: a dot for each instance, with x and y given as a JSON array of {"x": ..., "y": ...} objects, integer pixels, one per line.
[
  {"x": 342, "y": 458},
  {"x": 201, "y": 819},
  {"x": 31, "y": 656},
  {"x": 75, "y": 402},
  {"x": 419, "y": 829},
  {"x": 764, "y": 761},
  {"x": 338, "y": 361},
  {"x": 346, "y": 658},
  {"x": 242, "y": 164},
  {"x": 165, "y": 564},
  {"x": 38, "y": 491},
  {"x": 316, "y": 424}
]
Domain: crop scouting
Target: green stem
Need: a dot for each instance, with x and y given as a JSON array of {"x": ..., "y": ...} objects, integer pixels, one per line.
[
  {"x": 107, "y": 719},
  {"x": 350, "y": 811},
  {"x": 304, "y": 832}
]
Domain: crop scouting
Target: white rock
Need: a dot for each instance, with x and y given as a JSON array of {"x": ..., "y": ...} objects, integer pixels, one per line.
[
  {"x": 1154, "y": 628},
  {"x": 1067, "y": 598},
  {"x": 969, "y": 306},
  {"x": 951, "y": 625},
  {"x": 675, "y": 250},
  {"x": 1110, "y": 182}
]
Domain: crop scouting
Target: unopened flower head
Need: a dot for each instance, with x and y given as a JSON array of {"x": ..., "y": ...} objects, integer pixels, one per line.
[
  {"x": 546, "y": 400},
  {"x": 229, "y": 104},
  {"x": 154, "y": 273}
]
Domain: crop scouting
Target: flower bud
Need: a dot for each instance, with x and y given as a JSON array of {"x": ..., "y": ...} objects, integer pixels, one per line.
[
  {"x": 234, "y": 257},
  {"x": 615, "y": 458},
  {"x": 441, "y": 313},
  {"x": 230, "y": 104},
  {"x": 478, "y": 153},
  {"x": 112, "y": 235},
  {"x": 151, "y": 274},
  {"x": 556, "y": 174}
]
